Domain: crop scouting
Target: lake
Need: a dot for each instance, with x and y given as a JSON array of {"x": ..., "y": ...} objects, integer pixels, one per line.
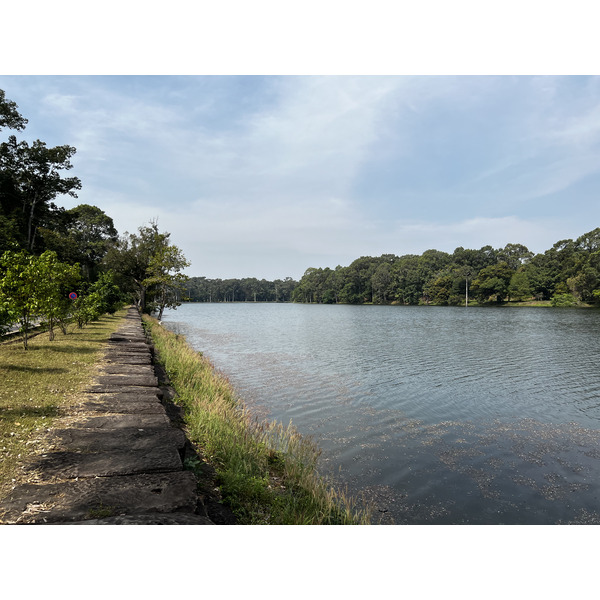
[{"x": 435, "y": 415}]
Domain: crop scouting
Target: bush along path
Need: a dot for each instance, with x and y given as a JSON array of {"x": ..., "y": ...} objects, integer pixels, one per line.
[{"x": 118, "y": 458}]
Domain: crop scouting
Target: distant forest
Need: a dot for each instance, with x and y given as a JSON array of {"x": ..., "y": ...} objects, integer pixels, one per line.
[
  {"x": 567, "y": 274},
  {"x": 250, "y": 289}
]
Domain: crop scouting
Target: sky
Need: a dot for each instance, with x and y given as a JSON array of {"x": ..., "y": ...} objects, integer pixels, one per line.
[
  {"x": 271, "y": 138},
  {"x": 266, "y": 176}
]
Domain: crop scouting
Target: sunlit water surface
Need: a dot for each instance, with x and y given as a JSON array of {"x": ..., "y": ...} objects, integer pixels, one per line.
[{"x": 435, "y": 415}]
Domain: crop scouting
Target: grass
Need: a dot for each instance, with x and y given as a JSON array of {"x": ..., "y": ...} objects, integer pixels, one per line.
[
  {"x": 266, "y": 472},
  {"x": 36, "y": 383}
]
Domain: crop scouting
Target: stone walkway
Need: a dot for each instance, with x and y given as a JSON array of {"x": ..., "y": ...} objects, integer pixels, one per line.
[{"x": 118, "y": 458}]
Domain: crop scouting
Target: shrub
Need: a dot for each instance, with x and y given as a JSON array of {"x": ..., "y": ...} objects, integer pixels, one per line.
[{"x": 564, "y": 300}]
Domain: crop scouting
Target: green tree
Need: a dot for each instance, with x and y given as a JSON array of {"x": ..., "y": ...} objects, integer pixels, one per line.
[
  {"x": 583, "y": 284},
  {"x": 31, "y": 180},
  {"x": 514, "y": 255},
  {"x": 82, "y": 234},
  {"x": 408, "y": 281},
  {"x": 589, "y": 242},
  {"x": 148, "y": 268},
  {"x": 19, "y": 289},
  {"x": 476, "y": 259},
  {"x": 438, "y": 290},
  {"x": 165, "y": 279},
  {"x": 381, "y": 280},
  {"x": 9, "y": 115},
  {"x": 492, "y": 281},
  {"x": 56, "y": 281},
  {"x": 11, "y": 118},
  {"x": 520, "y": 287}
]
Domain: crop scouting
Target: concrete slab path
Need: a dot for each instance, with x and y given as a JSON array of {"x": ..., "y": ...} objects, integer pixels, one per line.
[{"x": 117, "y": 459}]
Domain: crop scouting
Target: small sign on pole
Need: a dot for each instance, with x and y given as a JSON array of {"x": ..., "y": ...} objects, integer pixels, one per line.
[{"x": 73, "y": 296}]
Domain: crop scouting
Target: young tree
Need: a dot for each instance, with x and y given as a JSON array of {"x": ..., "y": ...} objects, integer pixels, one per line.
[
  {"x": 56, "y": 281},
  {"x": 19, "y": 289}
]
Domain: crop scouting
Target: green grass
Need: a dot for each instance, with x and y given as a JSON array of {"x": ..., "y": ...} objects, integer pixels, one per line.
[
  {"x": 266, "y": 472},
  {"x": 36, "y": 383}
]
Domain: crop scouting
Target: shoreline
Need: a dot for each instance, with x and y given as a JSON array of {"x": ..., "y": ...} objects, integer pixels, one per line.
[
  {"x": 114, "y": 456},
  {"x": 266, "y": 471}
]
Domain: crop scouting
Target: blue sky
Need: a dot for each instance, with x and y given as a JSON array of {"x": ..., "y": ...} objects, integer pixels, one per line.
[{"x": 265, "y": 176}]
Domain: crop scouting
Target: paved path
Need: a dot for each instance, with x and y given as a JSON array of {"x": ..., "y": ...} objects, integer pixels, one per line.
[{"x": 117, "y": 458}]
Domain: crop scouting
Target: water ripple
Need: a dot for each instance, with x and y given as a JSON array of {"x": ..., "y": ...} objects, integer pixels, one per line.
[{"x": 441, "y": 415}]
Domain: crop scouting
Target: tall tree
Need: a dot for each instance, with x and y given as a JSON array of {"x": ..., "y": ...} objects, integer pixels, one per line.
[
  {"x": 493, "y": 281},
  {"x": 165, "y": 279},
  {"x": 9, "y": 115},
  {"x": 32, "y": 177},
  {"x": 92, "y": 232},
  {"x": 148, "y": 267}
]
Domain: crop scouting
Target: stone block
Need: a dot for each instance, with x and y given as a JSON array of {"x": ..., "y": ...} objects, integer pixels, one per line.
[{"x": 101, "y": 497}]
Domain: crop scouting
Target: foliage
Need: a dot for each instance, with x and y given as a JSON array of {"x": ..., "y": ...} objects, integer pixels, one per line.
[
  {"x": 148, "y": 268},
  {"x": 31, "y": 180},
  {"x": 19, "y": 289},
  {"x": 249, "y": 289},
  {"x": 81, "y": 235},
  {"x": 47, "y": 244},
  {"x": 266, "y": 471},
  {"x": 564, "y": 300},
  {"x": 488, "y": 274},
  {"x": 101, "y": 297},
  {"x": 520, "y": 286},
  {"x": 35, "y": 286},
  {"x": 492, "y": 283},
  {"x": 56, "y": 281},
  {"x": 9, "y": 115},
  {"x": 164, "y": 278}
]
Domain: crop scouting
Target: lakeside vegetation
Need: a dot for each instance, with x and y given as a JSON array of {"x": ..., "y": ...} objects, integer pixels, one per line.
[
  {"x": 60, "y": 265},
  {"x": 266, "y": 471},
  {"x": 248, "y": 289},
  {"x": 38, "y": 383},
  {"x": 568, "y": 274}
]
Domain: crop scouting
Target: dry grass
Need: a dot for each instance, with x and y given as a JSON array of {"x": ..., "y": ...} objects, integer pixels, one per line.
[{"x": 35, "y": 384}]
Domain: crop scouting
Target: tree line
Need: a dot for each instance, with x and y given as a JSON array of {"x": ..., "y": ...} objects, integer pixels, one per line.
[
  {"x": 567, "y": 274},
  {"x": 48, "y": 253},
  {"x": 70, "y": 266},
  {"x": 249, "y": 289}
]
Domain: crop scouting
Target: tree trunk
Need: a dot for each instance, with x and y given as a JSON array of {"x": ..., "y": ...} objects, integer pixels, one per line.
[{"x": 30, "y": 223}]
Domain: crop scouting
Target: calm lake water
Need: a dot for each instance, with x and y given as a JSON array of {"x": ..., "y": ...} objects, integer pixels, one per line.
[{"x": 436, "y": 415}]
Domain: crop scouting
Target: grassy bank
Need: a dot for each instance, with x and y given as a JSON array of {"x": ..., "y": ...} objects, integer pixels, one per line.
[
  {"x": 265, "y": 471},
  {"x": 36, "y": 383}
]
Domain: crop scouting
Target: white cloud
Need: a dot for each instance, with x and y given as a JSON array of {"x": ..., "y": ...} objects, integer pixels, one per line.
[
  {"x": 259, "y": 176},
  {"x": 537, "y": 234}
]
